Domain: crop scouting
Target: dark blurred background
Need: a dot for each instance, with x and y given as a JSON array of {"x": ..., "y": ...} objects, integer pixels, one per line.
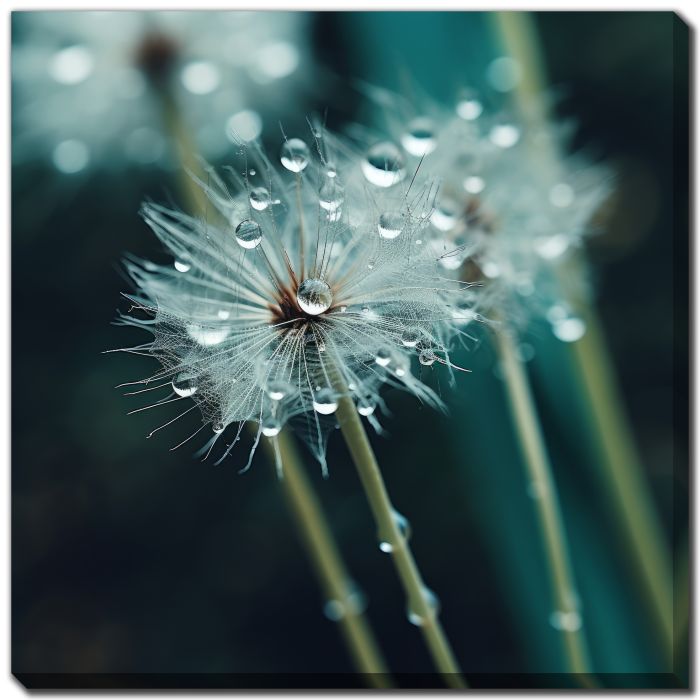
[{"x": 129, "y": 558}]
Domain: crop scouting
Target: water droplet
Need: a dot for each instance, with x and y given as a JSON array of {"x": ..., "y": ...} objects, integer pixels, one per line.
[
  {"x": 206, "y": 336},
  {"x": 463, "y": 313},
  {"x": 200, "y": 77},
  {"x": 570, "y": 329},
  {"x": 295, "y": 155},
  {"x": 563, "y": 621},
  {"x": 71, "y": 65},
  {"x": 365, "y": 407},
  {"x": 325, "y": 401},
  {"x": 504, "y": 73},
  {"x": 445, "y": 215},
  {"x": 331, "y": 170},
  {"x": 404, "y": 528},
  {"x": 474, "y": 184},
  {"x": 259, "y": 198},
  {"x": 334, "y": 610},
  {"x": 401, "y": 365},
  {"x": 277, "y": 390},
  {"x": 383, "y": 165},
  {"x": 331, "y": 195},
  {"x": 223, "y": 314},
  {"x": 314, "y": 296},
  {"x": 271, "y": 426},
  {"x": 383, "y": 356},
  {"x": 218, "y": 427},
  {"x": 419, "y": 138},
  {"x": 426, "y": 357},
  {"x": 561, "y": 195},
  {"x": 390, "y": 224},
  {"x": 184, "y": 385},
  {"x": 551, "y": 247},
  {"x": 248, "y": 234},
  {"x": 410, "y": 337},
  {"x": 504, "y": 135},
  {"x": 469, "y": 109},
  {"x": 182, "y": 265},
  {"x": 416, "y": 615}
]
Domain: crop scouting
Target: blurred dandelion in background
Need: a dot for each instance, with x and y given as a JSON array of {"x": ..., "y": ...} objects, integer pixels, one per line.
[{"x": 82, "y": 82}]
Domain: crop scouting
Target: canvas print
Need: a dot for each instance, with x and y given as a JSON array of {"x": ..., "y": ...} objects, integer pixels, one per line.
[{"x": 349, "y": 350}]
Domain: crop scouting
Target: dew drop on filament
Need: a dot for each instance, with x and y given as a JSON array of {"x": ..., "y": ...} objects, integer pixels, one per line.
[
  {"x": 325, "y": 401},
  {"x": 415, "y": 614},
  {"x": 184, "y": 385},
  {"x": 566, "y": 621},
  {"x": 259, "y": 198},
  {"x": 248, "y": 234},
  {"x": 271, "y": 426},
  {"x": 365, "y": 408},
  {"x": 390, "y": 224},
  {"x": 314, "y": 296},
  {"x": 383, "y": 165},
  {"x": 295, "y": 155},
  {"x": 218, "y": 427},
  {"x": 419, "y": 138},
  {"x": 403, "y": 527}
]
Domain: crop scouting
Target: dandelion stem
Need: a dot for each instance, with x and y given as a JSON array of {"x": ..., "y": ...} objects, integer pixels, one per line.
[
  {"x": 411, "y": 579},
  {"x": 548, "y": 510},
  {"x": 327, "y": 561},
  {"x": 304, "y": 505},
  {"x": 623, "y": 468}
]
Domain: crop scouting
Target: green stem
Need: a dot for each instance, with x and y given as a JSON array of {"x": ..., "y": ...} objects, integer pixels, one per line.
[
  {"x": 623, "y": 469},
  {"x": 328, "y": 564},
  {"x": 548, "y": 510},
  {"x": 384, "y": 514},
  {"x": 302, "y": 501}
]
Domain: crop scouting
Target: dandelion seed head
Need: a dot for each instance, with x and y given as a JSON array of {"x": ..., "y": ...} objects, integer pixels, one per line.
[{"x": 304, "y": 278}]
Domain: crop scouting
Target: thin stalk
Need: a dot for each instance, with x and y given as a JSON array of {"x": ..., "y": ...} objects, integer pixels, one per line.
[
  {"x": 303, "y": 504},
  {"x": 546, "y": 498},
  {"x": 418, "y": 596},
  {"x": 327, "y": 562},
  {"x": 623, "y": 469}
]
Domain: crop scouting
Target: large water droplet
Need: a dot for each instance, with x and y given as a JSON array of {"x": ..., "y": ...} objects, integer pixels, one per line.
[
  {"x": 325, "y": 401},
  {"x": 390, "y": 224},
  {"x": 248, "y": 234},
  {"x": 271, "y": 426},
  {"x": 563, "y": 621},
  {"x": 218, "y": 427},
  {"x": 295, "y": 155},
  {"x": 416, "y": 614},
  {"x": 404, "y": 528},
  {"x": 463, "y": 313},
  {"x": 331, "y": 195},
  {"x": 419, "y": 138},
  {"x": 474, "y": 184},
  {"x": 259, "y": 198},
  {"x": 314, "y": 296},
  {"x": 384, "y": 166},
  {"x": 334, "y": 610},
  {"x": 184, "y": 385}
]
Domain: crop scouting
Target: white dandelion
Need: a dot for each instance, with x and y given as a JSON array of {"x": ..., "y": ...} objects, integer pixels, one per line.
[
  {"x": 82, "y": 81},
  {"x": 521, "y": 211},
  {"x": 307, "y": 286}
]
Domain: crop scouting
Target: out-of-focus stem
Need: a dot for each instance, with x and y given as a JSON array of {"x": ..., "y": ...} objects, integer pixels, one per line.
[
  {"x": 186, "y": 152},
  {"x": 417, "y": 594},
  {"x": 545, "y": 496},
  {"x": 623, "y": 468},
  {"x": 304, "y": 505},
  {"x": 328, "y": 564}
]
